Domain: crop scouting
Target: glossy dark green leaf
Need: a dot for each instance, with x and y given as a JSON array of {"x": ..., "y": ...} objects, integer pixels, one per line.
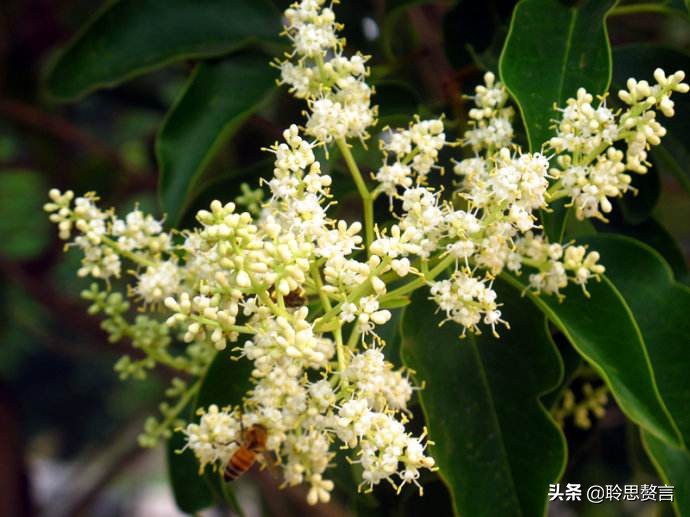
[
  {"x": 24, "y": 225},
  {"x": 572, "y": 361},
  {"x": 551, "y": 51},
  {"x": 218, "y": 98},
  {"x": 495, "y": 444},
  {"x": 636, "y": 206},
  {"x": 673, "y": 465},
  {"x": 226, "y": 382},
  {"x": 677, "y": 7},
  {"x": 555, "y": 219},
  {"x": 653, "y": 234},
  {"x": 576, "y": 228},
  {"x": 640, "y": 61},
  {"x": 603, "y": 330},
  {"x": 127, "y": 38},
  {"x": 660, "y": 307},
  {"x": 391, "y": 333},
  {"x": 190, "y": 490},
  {"x": 225, "y": 186}
]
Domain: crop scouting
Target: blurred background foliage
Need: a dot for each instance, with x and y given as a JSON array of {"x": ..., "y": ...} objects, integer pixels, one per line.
[{"x": 168, "y": 103}]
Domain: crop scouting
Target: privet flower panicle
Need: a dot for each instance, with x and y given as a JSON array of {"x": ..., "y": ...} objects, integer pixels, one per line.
[
  {"x": 282, "y": 282},
  {"x": 491, "y": 120},
  {"x": 595, "y": 147},
  {"x": 334, "y": 85},
  {"x": 411, "y": 154}
]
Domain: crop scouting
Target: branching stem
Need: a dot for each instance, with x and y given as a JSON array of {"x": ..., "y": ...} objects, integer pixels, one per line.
[{"x": 367, "y": 198}]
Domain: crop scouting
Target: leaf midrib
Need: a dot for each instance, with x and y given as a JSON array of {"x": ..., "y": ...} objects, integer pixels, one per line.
[
  {"x": 494, "y": 417},
  {"x": 566, "y": 53}
]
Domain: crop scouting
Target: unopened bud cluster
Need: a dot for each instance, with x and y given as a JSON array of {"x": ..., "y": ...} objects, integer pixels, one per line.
[
  {"x": 591, "y": 403},
  {"x": 304, "y": 296}
]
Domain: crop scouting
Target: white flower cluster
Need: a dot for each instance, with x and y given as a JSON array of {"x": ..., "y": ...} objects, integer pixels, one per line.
[
  {"x": 316, "y": 70},
  {"x": 503, "y": 188},
  {"x": 491, "y": 119},
  {"x": 414, "y": 152},
  {"x": 103, "y": 239},
  {"x": 266, "y": 269},
  {"x": 590, "y": 168},
  {"x": 285, "y": 283},
  {"x": 215, "y": 437},
  {"x": 555, "y": 262},
  {"x": 91, "y": 223}
]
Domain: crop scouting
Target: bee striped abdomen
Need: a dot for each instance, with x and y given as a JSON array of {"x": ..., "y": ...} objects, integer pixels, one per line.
[
  {"x": 253, "y": 442},
  {"x": 239, "y": 463}
]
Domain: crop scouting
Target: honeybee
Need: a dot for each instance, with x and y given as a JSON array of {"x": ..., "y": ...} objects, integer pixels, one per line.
[
  {"x": 293, "y": 299},
  {"x": 253, "y": 442}
]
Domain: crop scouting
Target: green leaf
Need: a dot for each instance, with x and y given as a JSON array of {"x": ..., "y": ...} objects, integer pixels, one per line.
[
  {"x": 660, "y": 307},
  {"x": 551, "y": 51},
  {"x": 603, "y": 330},
  {"x": 673, "y": 465},
  {"x": 554, "y": 221},
  {"x": 638, "y": 205},
  {"x": 495, "y": 444},
  {"x": 575, "y": 228},
  {"x": 571, "y": 367},
  {"x": 24, "y": 226},
  {"x": 228, "y": 185},
  {"x": 218, "y": 98},
  {"x": 128, "y": 38},
  {"x": 670, "y": 157},
  {"x": 640, "y": 61},
  {"x": 190, "y": 491},
  {"x": 226, "y": 382},
  {"x": 653, "y": 234},
  {"x": 391, "y": 334}
]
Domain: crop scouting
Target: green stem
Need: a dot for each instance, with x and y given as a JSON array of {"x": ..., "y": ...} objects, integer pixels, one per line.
[
  {"x": 166, "y": 359},
  {"x": 242, "y": 329},
  {"x": 367, "y": 198},
  {"x": 230, "y": 498},
  {"x": 316, "y": 275},
  {"x": 420, "y": 281},
  {"x": 594, "y": 154},
  {"x": 174, "y": 412},
  {"x": 352, "y": 340},
  {"x": 137, "y": 259},
  {"x": 556, "y": 195},
  {"x": 340, "y": 351},
  {"x": 532, "y": 263},
  {"x": 361, "y": 290}
]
